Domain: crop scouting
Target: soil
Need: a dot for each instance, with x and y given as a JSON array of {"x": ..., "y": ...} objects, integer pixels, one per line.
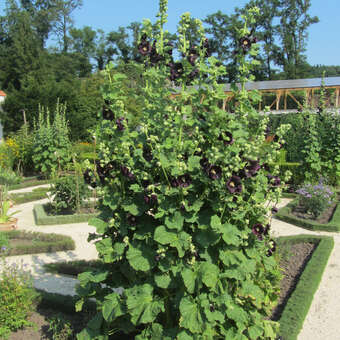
[
  {"x": 294, "y": 260},
  {"x": 324, "y": 218}
]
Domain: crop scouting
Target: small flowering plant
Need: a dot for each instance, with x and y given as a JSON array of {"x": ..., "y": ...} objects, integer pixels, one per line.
[{"x": 314, "y": 199}]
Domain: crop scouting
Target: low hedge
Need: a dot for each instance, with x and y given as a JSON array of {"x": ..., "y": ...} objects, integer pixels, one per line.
[
  {"x": 41, "y": 242},
  {"x": 29, "y": 183},
  {"x": 285, "y": 214},
  {"x": 41, "y": 217},
  {"x": 298, "y": 304}
]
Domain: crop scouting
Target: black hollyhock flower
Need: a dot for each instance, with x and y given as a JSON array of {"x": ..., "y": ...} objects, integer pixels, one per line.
[
  {"x": 184, "y": 181},
  {"x": 234, "y": 184},
  {"x": 252, "y": 168},
  {"x": 266, "y": 230},
  {"x": 131, "y": 219},
  {"x": 127, "y": 173},
  {"x": 272, "y": 248},
  {"x": 214, "y": 172},
  {"x": 275, "y": 210},
  {"x": 247, "y": 41},
  {"x": 154, "y": 56},
  {"x": 107, "y": 112},
  {"x": 274, "y": 180},
  {"x": 266, "y": 167},
  {"x": 176, "y": 71},
  {"x": 192, "y": 56},
  {"x": 119, "y": 123},
  {"x": 258, "y": 230},
  {"x": 147, "y": 153},
  {"x": 206, "y": 46},
  {"x": 145, "y": 183},
  {"x": 144, "y": 47},
  {"x": 152, "y": 199}
]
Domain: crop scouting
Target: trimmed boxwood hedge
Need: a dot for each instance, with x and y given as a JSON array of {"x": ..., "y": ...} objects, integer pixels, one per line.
[
  {"x": 298, "y": 304},
  {"x": 41, "y": 242},
  {"x": 24, "y": 197},
  {"x": 285, "y": 214},
  {"x": 41, "y": 217}
]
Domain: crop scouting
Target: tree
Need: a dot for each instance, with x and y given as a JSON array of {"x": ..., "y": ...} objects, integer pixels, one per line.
[
  {"x": 294, "y": 23},
  {"x": 64, "y": 21}
]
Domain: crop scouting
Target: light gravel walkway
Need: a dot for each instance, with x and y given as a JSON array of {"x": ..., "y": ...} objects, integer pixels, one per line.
[{"x": 322, "y": 321}]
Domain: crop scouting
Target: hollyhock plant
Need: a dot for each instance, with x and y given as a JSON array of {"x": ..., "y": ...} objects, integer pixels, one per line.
[{"x": 177, "y": 229}]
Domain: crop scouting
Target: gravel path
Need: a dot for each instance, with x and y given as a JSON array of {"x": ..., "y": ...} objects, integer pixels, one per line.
[{"x": 322, "y": 320}]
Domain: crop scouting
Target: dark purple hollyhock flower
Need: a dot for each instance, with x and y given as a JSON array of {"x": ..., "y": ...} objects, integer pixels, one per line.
[
  {"x": 252, "y": 168},
  {"x": 145, "y": 183},
  {"x": 266, "y": 230},
  {"x": 176, "y": 71},
  {"x": 147, "y": 153},
  {"x": 258, "y": 230},
  {"x": 206, "y": 46},
  {"x": 275, "y": 210},
  {"x": 144, "y": 47},
  {"x": 131, "y": 219},
  {"x": 152, "y": 199},
  {"x": 274, "y": 180},
  {"x": 119, "y": 123},
  {"x": 214, "y": 172},
  {"x": 107, "y": 112},
  {"x": 127, "y": 173},
  {"x": 154, "y": 56},
  {"x": 184, "y": 181},
  {"x": 272, "y": 248},
  {"x": 266, "y": 167},
  {"x": 192, "y": 56},
  {"x": 247, "y": 41},
  {"x": 234, "y": 184}
]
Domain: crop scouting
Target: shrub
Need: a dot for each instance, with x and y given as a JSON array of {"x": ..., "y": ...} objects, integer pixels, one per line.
[
  {"x": 60, "y": 328},
  {"x": 51, "y": 142},
  {"x": 184, "y": 216},
  {"x": 9, "y": 177},
  {"x": 314, "y": 199},
  {"x": 69, "y": 193},
  {"x": 16, "y": 298}
]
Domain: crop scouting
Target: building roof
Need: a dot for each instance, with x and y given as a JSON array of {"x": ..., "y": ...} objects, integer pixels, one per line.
[
  {"x": 290, "y": 84},
  {"x": 2, "y": 94}
]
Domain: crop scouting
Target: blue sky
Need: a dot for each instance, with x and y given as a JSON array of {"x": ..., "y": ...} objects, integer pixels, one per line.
[{"x": 323, "y": 43}]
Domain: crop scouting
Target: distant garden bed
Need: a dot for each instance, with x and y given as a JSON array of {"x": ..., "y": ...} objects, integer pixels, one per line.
[
  {"x": 42, "y": 217},
  {"x": 23, "y": 242},
  {"x": 288, "y": 214}
]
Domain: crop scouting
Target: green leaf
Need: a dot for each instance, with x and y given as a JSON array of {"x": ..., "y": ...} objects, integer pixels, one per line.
[
  {"x": 112, "y": 307},
  {"x": 140, "y": 257},
  {"x": 194, "y": 163},
  {"x": 189, "y": 278},
  {"x": 141, "y": 304},
  {"x": 206, "y": 238},
  {"x": 101, "y": 226},
  {"x": 191, "y": 317},
  {"x": 174, "y": 221},
  {"x": 255, "y": 332},
  {"x": 162, "y": 281},
  {"x": 209, "y": 274},
  {"x": 79, "y": 305},
  {"x": 237, "y": 314},
  {"x": 231, "y": 235}
]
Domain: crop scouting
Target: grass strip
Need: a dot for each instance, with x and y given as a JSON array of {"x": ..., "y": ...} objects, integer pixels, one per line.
[
  {"x": 297, "y": 306},
  {"x": 285, "y": 214},
  {"x": 41, "y": 217},
  {"x": 39, "y": 242},
  {"x": 29, "y": 183},
  {"x": 24, "y": 197}
]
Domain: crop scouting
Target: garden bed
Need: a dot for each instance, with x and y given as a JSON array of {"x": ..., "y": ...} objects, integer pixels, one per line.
[
  {"x": 329, "y": 221},
  {"x": 42, "y": 217},
  {"x": 23, "y": 242}
]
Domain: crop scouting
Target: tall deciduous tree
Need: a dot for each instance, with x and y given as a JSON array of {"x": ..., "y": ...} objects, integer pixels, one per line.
[{"x": 293, "y": 33}]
